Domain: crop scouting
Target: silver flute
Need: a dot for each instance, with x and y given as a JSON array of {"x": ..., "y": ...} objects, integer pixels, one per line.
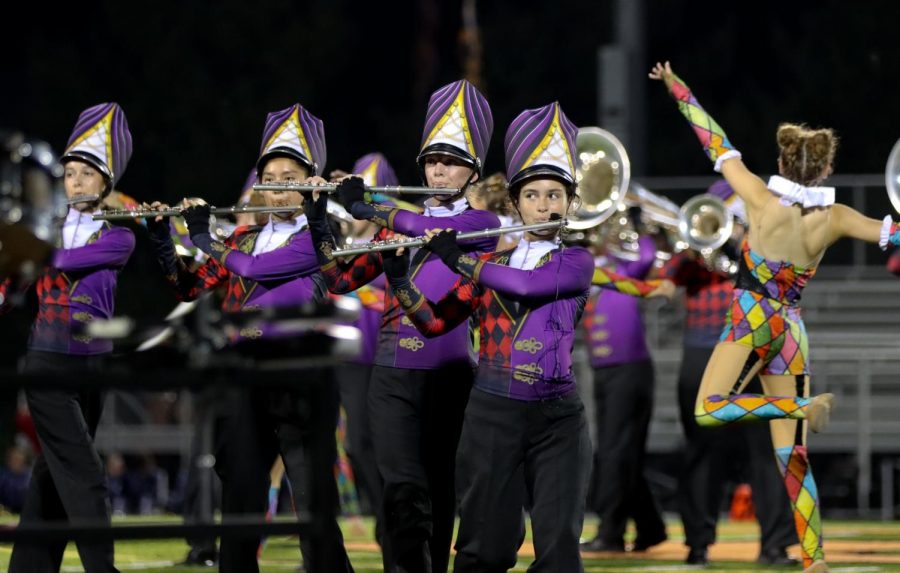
[
  {"x": 393, "y": 244},
  {"x": 388, "y": 189},
  {"x": 125, "y": 214},
  {"x": 82, "y": 199}
]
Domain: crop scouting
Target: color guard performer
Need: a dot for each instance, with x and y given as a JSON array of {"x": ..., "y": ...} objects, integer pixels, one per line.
[
  {"x": 525, "y": 434},
  {"x": 792, "y": 222},
  {"x": 68, "y": 482},
  {"x": 419, "y": 387},
  {"x": 701, "y": 481},
  {"x": 270, "y": 266}
]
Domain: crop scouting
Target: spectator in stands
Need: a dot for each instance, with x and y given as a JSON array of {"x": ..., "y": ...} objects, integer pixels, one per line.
[{"x": 14, "y": 478}]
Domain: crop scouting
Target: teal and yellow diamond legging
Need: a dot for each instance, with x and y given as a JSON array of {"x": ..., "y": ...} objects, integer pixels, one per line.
[{"x": 785, "y": 406}]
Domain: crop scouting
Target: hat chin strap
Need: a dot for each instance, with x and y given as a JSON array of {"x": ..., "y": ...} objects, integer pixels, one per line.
[{"x": 462, "y": 190}]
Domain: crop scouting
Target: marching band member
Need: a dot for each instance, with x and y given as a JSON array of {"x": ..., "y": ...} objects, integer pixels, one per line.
[
  {"x": 623, "y": 395},
  {"x": 791, "y": 224},
  {"x": 272, "y": 265},
  {"x": 525, "y": 434},
  {"x": 701, "y": 481},
  {"x": 68, "y": 481},
  {"x": 354, "y": 376},
  {"x": 419, "y": 388}
]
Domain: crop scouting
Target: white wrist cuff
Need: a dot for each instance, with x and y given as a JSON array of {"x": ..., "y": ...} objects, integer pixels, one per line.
[
  {"x": 730, "y": 154},
  {"x": 885, "y": 233}
]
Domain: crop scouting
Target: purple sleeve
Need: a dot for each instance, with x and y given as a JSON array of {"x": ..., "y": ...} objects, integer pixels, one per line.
[
  {"x": 415, "y": 225},
  {"x": 640, "y": 268},
  {"x": 567, "y": 273},
  {"x": 111, "y": 249},
  {"x": 297, "y": 258}
]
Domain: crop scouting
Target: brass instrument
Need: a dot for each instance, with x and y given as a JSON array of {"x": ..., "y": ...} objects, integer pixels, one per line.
[
  {"x": 705, "y": 223},
  {"x": 892, "y": 176},
  {"x": 702, "y": 224},
  {"x": 388, "y": 189},
  {"x": 602, "y": 174}
]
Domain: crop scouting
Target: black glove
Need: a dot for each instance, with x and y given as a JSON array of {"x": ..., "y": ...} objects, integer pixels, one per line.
[
  {"x": 634, "y": 215},
  {"x": 317, "y": 213},
  {"x": 395, "y": 266},
  {"x": 444, "y": 246},
  {"x": 159, "y": 230},
  {"x": 350, "y": 191},
  {"x": 197, "y": 219}
]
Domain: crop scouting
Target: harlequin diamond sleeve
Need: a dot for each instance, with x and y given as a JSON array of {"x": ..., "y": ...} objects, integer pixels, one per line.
[{"x": 711, "y": 135}]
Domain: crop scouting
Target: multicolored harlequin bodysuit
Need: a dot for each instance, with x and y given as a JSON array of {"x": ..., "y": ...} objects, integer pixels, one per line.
[
  {"x": 765, "y": 313},
  {"x": 765, "y": 316}
]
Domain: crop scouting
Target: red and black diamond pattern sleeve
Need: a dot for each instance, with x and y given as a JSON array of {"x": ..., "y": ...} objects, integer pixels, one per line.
[
  {"x": 341, "y": 278},
  {"x": 189, "y": 285},
  {"x": 435, "y": 319}
]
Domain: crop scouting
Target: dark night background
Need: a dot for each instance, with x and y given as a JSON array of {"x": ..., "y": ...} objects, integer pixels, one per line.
[{"x": 196, "y": 80}]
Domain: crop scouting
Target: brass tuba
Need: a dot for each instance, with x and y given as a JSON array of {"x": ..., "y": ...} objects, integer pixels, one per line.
[
  {"x": 705, "y": 223},
  {"x": 892, "y": 176},
  {"x": 602, "y": 173}
]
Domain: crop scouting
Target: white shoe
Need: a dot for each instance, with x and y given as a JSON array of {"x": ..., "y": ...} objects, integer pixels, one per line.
[{"x": 819, "y": 414}]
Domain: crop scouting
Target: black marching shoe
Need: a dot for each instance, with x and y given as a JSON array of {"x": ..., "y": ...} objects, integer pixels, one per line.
[
  {"x": 599, "y": 545},
  {"x": 778, "y": 557},
  {"x": 697, "y": 556},
  {"x": 643, "y": 543},
  {"x": 201, "y": 558}
]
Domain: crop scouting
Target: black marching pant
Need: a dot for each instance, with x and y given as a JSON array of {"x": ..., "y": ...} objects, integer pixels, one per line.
[
  {"x": 68, "y": 481},
  {"x": 511, "y": 451},
  {"x": 299, "y": 423},
  {"x": 202, "y": 487},
  {"x": 353, "y": 381},
  {"x": 623, "y": 397},
  {"x": 416, "y": 418},
  {"x": 706, "y": 467}
]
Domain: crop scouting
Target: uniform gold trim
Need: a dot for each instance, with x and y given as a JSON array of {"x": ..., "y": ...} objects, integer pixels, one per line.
[
  {"x": 412, "y": 343},
  {"x": 530, "y": 345}
]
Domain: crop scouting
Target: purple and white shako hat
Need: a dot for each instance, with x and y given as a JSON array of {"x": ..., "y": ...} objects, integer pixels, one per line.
[
  {"x": 459, "y": 123},
  {"x": 540, "y": 142},
  {"x": 101, "y": 138},
  {"x": 375, "y": 170},
  {"x": 733, "y": 203},
  {"x": 294, "y": 132}
]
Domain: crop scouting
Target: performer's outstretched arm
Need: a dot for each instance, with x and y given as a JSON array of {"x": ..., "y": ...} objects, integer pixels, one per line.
[{"x": 725, "y": 157}]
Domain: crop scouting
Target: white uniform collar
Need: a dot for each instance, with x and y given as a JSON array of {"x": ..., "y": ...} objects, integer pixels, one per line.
[
  {"x": 795, "y": 194},
  {"x": 78, "y": 228},
  {"x": 529, "y": 253},
  {"x": 444, "y": 210},
  {"x": 275, "y": 234}
]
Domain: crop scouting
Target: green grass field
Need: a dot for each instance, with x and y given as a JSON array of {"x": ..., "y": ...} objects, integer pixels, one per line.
[{"x": 852, "y": 546}]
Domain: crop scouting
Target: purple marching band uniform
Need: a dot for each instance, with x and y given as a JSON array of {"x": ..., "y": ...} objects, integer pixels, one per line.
[
  {"x": 270, "y": 266},
  {"x": 524, "y": 426},
  {"x": 623, "y": 395},
  {"x": 419, "y": 387},
  {"x": 69, "y": 481},
  {"x": 354, "y": 376}
]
